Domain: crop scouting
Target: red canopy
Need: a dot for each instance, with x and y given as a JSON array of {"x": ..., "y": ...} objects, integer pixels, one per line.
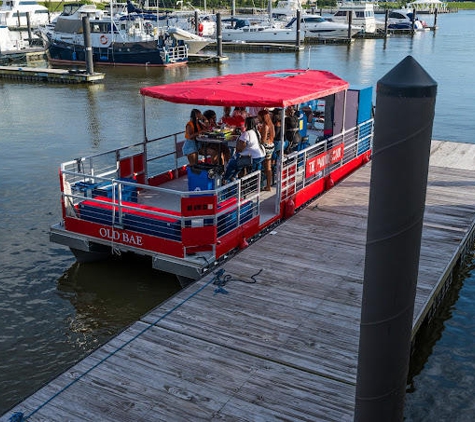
[{"x": 277, "y": 88}]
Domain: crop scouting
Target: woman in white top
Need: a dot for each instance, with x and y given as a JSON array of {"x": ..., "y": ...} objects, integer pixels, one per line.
[{"x": 247, "y": 145}]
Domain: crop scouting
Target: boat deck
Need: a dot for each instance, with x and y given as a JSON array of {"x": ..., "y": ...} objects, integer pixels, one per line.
[{"x": 282, "y": 348}]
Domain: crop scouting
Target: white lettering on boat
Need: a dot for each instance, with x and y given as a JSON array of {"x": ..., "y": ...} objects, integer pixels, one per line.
[
  {"x": 318, "y": 163},
  {"x": 123, "y": 237}
]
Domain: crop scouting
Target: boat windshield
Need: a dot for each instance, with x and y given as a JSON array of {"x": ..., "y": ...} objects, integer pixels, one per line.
[{"x": 290, "y": 24}]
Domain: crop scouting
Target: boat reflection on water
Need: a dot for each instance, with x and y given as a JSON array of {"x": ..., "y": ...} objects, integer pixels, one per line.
[{"x": 110, "y": 295}]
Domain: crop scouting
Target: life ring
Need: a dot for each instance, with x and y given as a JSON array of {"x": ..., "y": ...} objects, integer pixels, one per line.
[
  {"x": 104, "y": 40},
  {"x": 200, "y": 29}
]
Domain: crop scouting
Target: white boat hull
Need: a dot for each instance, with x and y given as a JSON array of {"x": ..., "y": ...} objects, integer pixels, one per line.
[
  {"x": 266, "y": 35},
  {"x": 316, "y": 27},
  {"x": 319, "y": 33},
  {"x": 195, "y": 43}
]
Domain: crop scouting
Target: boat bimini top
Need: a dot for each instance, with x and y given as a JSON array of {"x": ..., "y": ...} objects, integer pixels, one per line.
[{"x": 278, "y": 88}]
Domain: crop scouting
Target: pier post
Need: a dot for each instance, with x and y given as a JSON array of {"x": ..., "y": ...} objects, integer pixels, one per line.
[
  {"x": 219, "y": 36},
  {"x": 350, "y": 21},
  {"x": 386, "y": 23},
  {"x": 87, "y": 45},
  {"x": 414, "y": 20},
  {"x": 297, "y": 38},
  {"x": 28, "y": 25},
  {"x": 405, "y": 106},
  {"x": 197, "y": 23}
]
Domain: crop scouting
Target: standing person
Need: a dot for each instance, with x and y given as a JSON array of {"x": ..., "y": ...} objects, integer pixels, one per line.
[
  {"x": 193, "y": 129},
  {"x": 267, "y": 131},
  {"x": 276, "y": 119},
  {"x": 292, "y": 134},
  {"x": 247, "y": 144}
]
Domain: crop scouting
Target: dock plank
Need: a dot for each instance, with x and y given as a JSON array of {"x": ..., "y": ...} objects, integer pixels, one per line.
[{"x": 282, "y": 348}]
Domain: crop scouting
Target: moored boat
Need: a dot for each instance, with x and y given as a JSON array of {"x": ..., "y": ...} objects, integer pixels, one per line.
[
  {"x": 9, "y": 43},
  {"x": 317, "y": 27},
  {"x": 13, "y": 13},
  {"x": 145, "y": 199},
  {"x": 361, "y": 14},
  {"x": 125, "y": 41},
  {"x": 404, "y": 20},
  {"x": 242, "y": 30},
  {"x": 195, "y": 43}
]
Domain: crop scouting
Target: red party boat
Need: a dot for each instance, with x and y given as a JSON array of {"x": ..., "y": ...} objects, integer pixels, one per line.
[{"x": 145, "y": 198}]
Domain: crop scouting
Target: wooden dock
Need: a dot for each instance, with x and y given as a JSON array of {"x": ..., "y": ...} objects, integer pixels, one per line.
[
  {"x": 33, "y": 74},
  {"x": 282, "y": 348}
]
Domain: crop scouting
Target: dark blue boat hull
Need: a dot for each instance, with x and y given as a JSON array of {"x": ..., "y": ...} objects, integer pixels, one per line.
[{"x": 137, "y": 54}]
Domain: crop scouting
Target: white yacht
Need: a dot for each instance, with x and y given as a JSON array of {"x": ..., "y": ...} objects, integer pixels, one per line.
[
  {"x": 362, "y": 15},
  {"x": 241, "y": 30},
  {"x": 10, "y": 41},
  {"x": 286, "y": 9},
  {"x": 13, "y": 13},
  {"x": 317, "y": 27}
]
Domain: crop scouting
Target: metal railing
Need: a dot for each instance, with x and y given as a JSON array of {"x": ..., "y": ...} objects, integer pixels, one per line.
[
  {"x": 93, "y": 190},
  {"x": 328, "y": 154}
]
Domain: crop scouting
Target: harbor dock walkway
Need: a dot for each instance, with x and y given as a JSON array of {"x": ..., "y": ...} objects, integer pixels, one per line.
[
  {"x": 284, "y": 347},
  {"x": 48, "y": 75}
]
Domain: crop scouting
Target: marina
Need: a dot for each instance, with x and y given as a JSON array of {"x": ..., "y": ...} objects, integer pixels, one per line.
[
  {"x": 56, "y": 311},
  {"x": 279, "y": 338}
]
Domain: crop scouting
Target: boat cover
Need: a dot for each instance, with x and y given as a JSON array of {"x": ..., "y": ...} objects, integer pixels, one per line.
[{"x": 276, "y": 88}]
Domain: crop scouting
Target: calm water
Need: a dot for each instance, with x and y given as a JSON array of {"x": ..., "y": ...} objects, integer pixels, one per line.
[{"x": 55, "y": 312}]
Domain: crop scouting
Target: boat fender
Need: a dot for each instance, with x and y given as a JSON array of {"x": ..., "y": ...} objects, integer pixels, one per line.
[
  {"x": 200, "y": 29},
  {"x": 104, "y": 40},
  {"x": 366, "y": 159},
  {"x": 329, "y": 183},
  {"x": 289, "y": 208}
]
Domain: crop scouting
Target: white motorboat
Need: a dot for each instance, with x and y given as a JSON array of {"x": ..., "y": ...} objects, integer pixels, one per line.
[
  {"x": 195, "y": 43},
  {"x": 13, "y": 13},
  {"x": 317, "y": 27},
  {"x": 244, "y": 31},
  {"x": 402, "y": 19},
  {"x": 8, "y": 42},
  {"x": 286, "y": 9},
  {"x": 361, "y": 13}
]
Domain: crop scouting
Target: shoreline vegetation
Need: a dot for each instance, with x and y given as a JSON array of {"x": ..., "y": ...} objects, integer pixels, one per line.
[{"x": 223, "y": 5}]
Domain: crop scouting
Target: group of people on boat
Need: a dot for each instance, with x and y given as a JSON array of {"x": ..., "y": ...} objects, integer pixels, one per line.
[{"x": 259, "y": 139}]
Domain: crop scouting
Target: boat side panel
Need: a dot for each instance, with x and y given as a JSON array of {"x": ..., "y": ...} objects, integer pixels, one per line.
[{"x": 125, "y": 237}]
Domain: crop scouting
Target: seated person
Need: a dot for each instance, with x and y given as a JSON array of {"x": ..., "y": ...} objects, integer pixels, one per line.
[
  {"x": 234, "y": 119},
  {"x": 210, "y": 116},
  {"x": 226, "y": 116},
  {"x": 247, "y": 144}
]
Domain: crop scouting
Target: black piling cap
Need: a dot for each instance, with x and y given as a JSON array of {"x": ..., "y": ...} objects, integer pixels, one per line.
[{"x": 408, "y": 80}]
